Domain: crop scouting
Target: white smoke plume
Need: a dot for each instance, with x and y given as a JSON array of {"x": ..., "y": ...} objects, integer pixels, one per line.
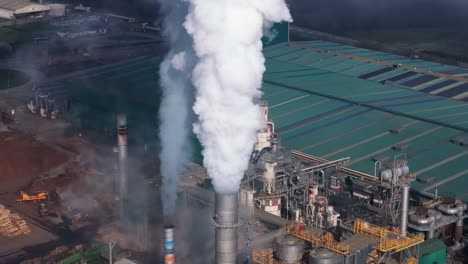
[
  {"x": 228, "y": 75},
  {"x": 175, "y": 112}
]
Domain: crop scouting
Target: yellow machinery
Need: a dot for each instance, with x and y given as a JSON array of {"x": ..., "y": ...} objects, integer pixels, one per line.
[
  {"x": 37, "y": 197},
  {"x": 264, "y": 256},
  {"x": 388, "y": 240},
  {"x": 325, "y": 239}
]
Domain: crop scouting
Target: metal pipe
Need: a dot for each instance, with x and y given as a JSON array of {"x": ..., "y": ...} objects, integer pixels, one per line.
[
  {"x": 208, "y": 197},
  {"x": 122, "y": 143},
  {"x": 452, "y": 209},
  {"x": 111, "y": 246},
  {"x": 456, "y": 247},
  {"x": 169, "y": 245},
  {"x": 425, "y": 219},
  {"x": 404, "y": 209},
  {"x": 226, "y": 222},
  {"x": 459, "y": 229},
  {"x": 430, "y": 234}
]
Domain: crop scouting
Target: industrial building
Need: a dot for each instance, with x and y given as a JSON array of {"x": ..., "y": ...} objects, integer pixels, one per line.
[
  {"x": 362, "y": 159},
  {"x": 332, "y": 101},
  {"x": 352, "y": 124},
  {"x": 12, "y": 9}
]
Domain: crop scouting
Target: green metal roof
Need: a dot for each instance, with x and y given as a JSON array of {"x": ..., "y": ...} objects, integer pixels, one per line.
[{"x": 321, "y": 107}]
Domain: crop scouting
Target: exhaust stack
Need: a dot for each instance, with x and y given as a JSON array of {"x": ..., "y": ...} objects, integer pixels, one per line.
[
  {"x": 122, "y": 143},
  {"x": 169, "y": 245},
  {"x": 226, "y": 222},
  {"x": 404, "y": 209}
]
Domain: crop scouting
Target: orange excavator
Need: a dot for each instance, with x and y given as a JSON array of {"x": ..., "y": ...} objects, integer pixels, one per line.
[{"x": 37, "y": 197}]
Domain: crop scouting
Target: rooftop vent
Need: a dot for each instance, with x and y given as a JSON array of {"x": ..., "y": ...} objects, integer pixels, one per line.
[
  {"x": 426, "y": 179},
  {"x": 397, "y": 130},
  {"x": 388, "y": 83},
  {"x": 400, "y": 147},
  {"x": 461, "y": 140},
  {"x": 380, "y": 158}
]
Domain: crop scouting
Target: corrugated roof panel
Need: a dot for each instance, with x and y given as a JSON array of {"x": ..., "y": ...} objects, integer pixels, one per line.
[
  {"x": 400, "y": 77},
  {"x": 303, "y": 117},
  {"x": 268, "y": 53},
  {"x": 344, "y": 65},
  {"x": 375, "y": 73},
  {"x": 420, "y": 80},
  {"x": 438, "y": 86},
  {"x": 363, "y": 68},
  {"x": 291, "y": 55},
  {"x": 455, "y": 90},
  {"x": 386, "y": 75},
  {"x": 455, "y": 71},
  {"x": 311, "y": 58}
]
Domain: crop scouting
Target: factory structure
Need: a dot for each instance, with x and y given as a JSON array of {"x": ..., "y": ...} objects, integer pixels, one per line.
[
  {"x": 361, "y": 161},
  {"x": 22, "y": 8},
  {"x": 350, "y": 167},
  {"x": 316, "y": 195},
  {"x": 362, "y": 158}
]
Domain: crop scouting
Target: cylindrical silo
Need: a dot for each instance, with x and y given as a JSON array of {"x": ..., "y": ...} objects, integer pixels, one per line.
[
  {"x": 324, "y": 256},
  {"x": 289, "y": 249}
]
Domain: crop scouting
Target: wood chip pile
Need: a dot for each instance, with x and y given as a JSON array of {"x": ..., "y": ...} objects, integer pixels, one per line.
[{"x": 12, "y": 224}]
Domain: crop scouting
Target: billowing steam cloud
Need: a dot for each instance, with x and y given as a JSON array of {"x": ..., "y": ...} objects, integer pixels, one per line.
[
  {"x": 175, "y": 112},
  {"x": 227, "y": 77}
]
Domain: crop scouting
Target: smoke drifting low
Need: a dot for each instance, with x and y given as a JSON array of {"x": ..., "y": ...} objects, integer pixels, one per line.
[
  {"x": 227, "y": 77},
  {"x": 174, "y": 112}
]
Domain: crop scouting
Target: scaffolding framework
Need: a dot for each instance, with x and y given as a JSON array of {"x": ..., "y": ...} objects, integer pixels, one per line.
[
  {"x": 265, "y": 256},
  {"x": 325, "y": 239},
  {"x": 390, "y": 241}
]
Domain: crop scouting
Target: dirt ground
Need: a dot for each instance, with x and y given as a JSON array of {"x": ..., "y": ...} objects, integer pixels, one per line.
[{"x": 22, "y": 158}]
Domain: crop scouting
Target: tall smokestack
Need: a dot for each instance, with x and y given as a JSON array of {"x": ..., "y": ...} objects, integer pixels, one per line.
[
  {"x": 404, "y": 208},
  {"x": 226, "y": 222},
  {"x": 169, "y": 245},
  {"x": 122, "y": 143}
]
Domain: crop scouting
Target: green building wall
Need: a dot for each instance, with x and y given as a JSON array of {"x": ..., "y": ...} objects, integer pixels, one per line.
[{"x": 433, "y": 251}]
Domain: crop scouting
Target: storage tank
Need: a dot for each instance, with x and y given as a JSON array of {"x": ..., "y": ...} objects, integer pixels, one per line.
[
  {"x": 391, "y": 175},
  {"x": 323, "y": 256},
  {"x": 289, "y": 249}
]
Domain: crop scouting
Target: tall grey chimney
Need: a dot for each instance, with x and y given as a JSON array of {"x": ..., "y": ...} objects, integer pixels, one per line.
[{"x": 226, "y": 222}]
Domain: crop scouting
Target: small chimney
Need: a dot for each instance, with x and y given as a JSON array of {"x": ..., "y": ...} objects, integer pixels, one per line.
[
  {"x": 122, "y": 143},
  {"x": 169, "y": 245}
]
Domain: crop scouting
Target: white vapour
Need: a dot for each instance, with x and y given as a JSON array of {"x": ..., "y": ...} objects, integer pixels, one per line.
[
  {"x": 175, "y": 113},
  {"x": 227, "y": 77}
]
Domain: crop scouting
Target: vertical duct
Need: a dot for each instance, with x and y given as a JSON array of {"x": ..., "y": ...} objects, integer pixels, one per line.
[
  {"x": 459, "y": 229},
  {"x": 430, "y": 234},
  {"x": 122, "y": 143},
  {"x": 404, "y": 208},
  {"x": 169, "y": 245},
  {"x": 226, "y": 222}
]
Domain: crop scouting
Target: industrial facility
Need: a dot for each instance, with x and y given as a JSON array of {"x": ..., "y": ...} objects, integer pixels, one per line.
[
  {"x": 362, "y": 157},
  {"x": 22, "y": 8}
]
